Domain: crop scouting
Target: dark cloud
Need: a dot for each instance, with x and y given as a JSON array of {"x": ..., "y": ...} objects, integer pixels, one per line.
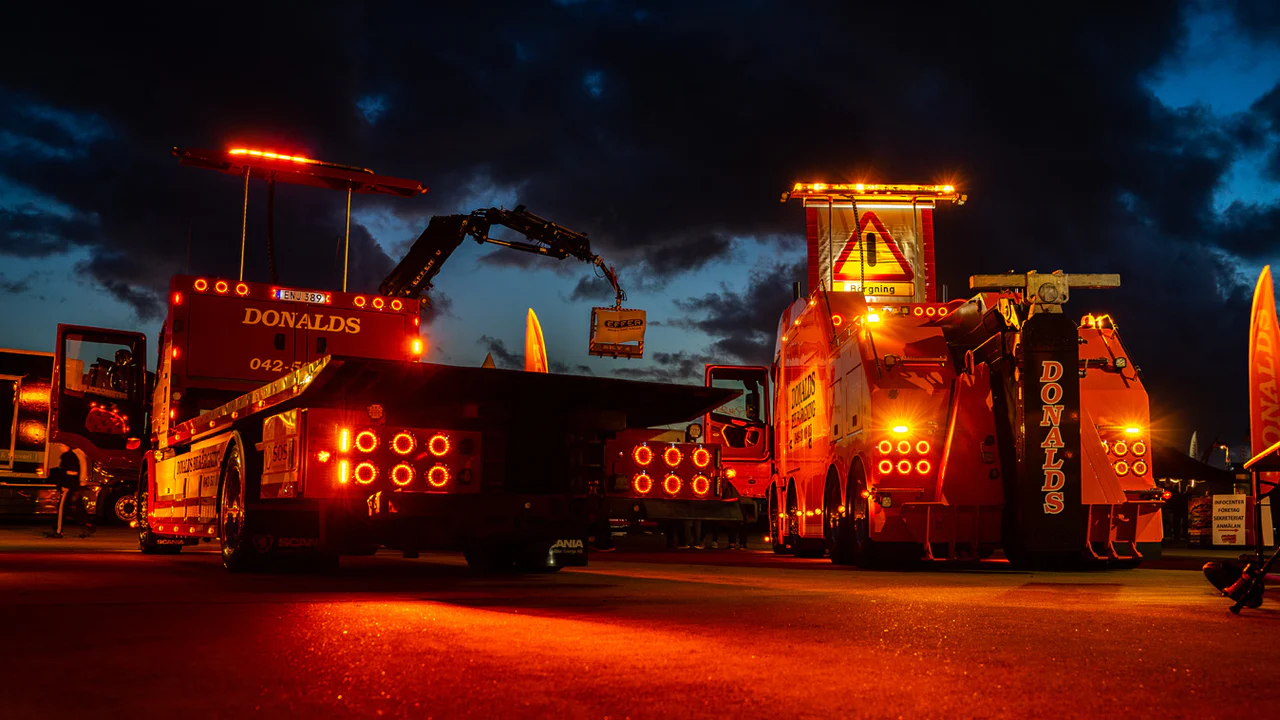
[
  {"x": 502, "y": 357},
  {"x": 16, "y": 287},
  {"x": 665, "y": 130},
  {"x": 743, "y": 324},
  {"x": 678, "y": 367},
  {"x": 30, "y": 231}
]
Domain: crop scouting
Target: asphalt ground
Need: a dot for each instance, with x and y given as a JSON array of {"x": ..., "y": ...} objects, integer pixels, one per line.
[{"x": 91, "y": 628}]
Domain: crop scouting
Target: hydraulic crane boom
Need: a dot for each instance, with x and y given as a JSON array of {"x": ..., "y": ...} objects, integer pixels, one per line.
[{"x": 413, "y": 275}]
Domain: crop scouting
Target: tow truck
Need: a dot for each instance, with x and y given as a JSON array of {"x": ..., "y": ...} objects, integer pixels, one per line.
[
  {"x": 910, "y": 428},
  {"x": 299, "y": 423}
]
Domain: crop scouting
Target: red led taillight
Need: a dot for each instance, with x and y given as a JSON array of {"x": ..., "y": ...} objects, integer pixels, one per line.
[
  {"x": 1140, "y": 467},
  {"x": 415, "y": 346},
  {"x": 221, "y": 287},
  {"x": 904, "y": 446},
  {"x": 403, "y": 443},
  {"x": 344, "y": 472},
  {"x": 885, "y": 467},
  {"x": 1139, "y": 448},
  {"x": 885, "y": 447},
  {"x": 366, "y": 441},
  {"x": 397, "y": 305},
  {"x": 1119, "y": 448},
  {"x": 177, "y": 298},
  {"x": 923, "y": 467},
  {"x": 701, "y": 457},
  {"x": 671, "y": 484},
  {"x": 402, "y": 474},
  {"x": 379, "y": 303},
  {"x": 200, "y": 285},
  {"x": 438, "y": 445},
  {"x": 642, "y": 483},
  {"x": 672, "y": 456},
  {"x": 323, "y": 456},
  {"x": 366, "y": 473},
  {"x": 1121, "y": 468},
  {"x": 242, "y": 289},
  {"x": 701, "y": 485},
  {"x": 642, "y": 455},
  {"x": 904, "y": 466},
  {"x": 438, "y": 476},
  {"x": 923, "y": 447},
  {"x": 359, "y": 301}
]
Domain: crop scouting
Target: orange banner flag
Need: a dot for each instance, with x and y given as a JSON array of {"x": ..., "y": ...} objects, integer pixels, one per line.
[
  {"x": 535, "y": 351},
  {"x": 1264, "y": 402}
]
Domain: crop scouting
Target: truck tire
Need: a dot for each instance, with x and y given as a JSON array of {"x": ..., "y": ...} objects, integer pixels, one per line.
[
  {"x": 146, "y": 539},
  {"x": 238, "y": 553},
  {"x": 775, "y": 523},
  {"x": 837, "y": 524}
]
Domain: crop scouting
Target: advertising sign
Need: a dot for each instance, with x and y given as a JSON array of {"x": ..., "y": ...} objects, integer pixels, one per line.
[
  {"x": 617, "y": 332},
  {"x": 1200, "y": 519},
  {"x": 1230, "y": 519}
]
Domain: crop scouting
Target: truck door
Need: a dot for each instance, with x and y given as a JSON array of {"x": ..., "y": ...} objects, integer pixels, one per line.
[
  {"x": 741, "y": 425},
  {"x": 100, "y": 393}
]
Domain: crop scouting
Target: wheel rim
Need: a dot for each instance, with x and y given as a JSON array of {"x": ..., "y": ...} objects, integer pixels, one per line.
[
  {"x": 232, "y": 510},
  {"x": 126, "y": 508}
]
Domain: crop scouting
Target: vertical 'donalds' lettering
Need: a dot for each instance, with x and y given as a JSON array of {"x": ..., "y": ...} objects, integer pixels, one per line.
[{"x": 1051, "y": 417}]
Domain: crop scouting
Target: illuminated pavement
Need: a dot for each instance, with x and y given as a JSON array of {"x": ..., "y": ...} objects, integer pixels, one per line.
[{"x": 92, "y": 629}]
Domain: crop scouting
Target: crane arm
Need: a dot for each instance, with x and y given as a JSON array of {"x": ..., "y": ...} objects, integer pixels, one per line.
[{"x": 413, "y": 275}]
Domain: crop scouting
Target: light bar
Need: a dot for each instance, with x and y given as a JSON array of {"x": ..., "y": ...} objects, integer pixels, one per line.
[
  {"x": 869, "y": 190},
  {"x": 274, "y": 156}
]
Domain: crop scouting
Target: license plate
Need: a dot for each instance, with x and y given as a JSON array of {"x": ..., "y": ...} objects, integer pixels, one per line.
[
  {"x": 306, "y": 296},
  {"x": 279, "y": 456}
]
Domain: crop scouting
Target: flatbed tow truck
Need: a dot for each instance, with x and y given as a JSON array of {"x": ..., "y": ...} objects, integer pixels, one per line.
[{"x": 294, "y": 423}]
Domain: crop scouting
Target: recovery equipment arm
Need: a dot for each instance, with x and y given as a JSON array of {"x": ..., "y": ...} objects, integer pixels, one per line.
[{"x": 413, "y": 275}]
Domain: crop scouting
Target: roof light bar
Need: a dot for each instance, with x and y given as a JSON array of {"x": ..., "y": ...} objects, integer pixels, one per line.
[
  {"x": 874, "y": 190},
  {"x": 273, "y": 156}
]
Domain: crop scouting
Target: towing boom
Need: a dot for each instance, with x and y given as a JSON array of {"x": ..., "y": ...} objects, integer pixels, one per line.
[{"x": 413, "y": 275}]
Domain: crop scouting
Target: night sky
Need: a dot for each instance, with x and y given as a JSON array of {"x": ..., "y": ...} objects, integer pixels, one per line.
[{"x": 1137, "y": 137}]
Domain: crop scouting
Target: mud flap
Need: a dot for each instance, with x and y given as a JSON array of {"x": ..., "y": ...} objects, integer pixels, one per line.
[
  {"x": 1051, "y": 518},
  {"x": 561, "y": 552}
]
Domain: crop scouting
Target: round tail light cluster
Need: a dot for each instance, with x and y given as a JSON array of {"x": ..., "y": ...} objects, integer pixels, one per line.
[{"x": 416, "y": 460}]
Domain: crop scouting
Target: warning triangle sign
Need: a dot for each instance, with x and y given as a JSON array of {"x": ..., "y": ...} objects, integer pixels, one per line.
[{"x": 878, "y": 253}]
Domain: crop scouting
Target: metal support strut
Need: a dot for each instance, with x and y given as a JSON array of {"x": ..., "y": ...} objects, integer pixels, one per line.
[
  {"x": 244, "y": 222},
  {"x": 346, "y": 242}
]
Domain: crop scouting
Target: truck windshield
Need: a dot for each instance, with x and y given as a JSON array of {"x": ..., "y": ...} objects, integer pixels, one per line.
[{"x": 747, "y": 406}]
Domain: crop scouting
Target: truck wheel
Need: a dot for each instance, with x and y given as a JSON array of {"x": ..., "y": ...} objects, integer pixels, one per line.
[
  {"x": 775, "y": 523},
  {"x": 864, "y": 548},
  {"x": 125, "y": 508},
  {"x": 146, "y": 539},
  {"x": 237, "y": 549},
  {"x": 837, "y": 524}
]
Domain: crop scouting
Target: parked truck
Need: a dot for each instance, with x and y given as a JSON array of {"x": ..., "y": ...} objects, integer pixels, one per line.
[
  {"x": 906, "y": 427},
  {"x": 300, "y": 423}
]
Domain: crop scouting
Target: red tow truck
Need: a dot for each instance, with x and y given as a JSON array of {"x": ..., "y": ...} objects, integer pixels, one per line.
[
  {"x": 906, "y": 427},
  {"x": 299, "y": 423}
]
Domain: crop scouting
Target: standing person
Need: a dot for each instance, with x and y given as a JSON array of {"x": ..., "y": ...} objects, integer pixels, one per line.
[{"x": 67, "y": 477}]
